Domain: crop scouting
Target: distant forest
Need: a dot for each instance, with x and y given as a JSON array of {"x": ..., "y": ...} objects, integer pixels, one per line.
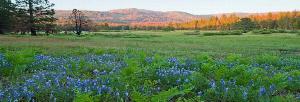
[{"x": 36, "y": 16}]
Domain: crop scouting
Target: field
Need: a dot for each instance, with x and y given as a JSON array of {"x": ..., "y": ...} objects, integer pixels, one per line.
[
  {"x": 150, "y": 66},
  {"x": 164, "y": 42}
]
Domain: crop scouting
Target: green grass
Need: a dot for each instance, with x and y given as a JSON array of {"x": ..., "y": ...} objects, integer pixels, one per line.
[{"x": 163, "y": 42}]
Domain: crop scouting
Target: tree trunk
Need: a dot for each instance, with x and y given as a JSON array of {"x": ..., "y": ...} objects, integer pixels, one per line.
[
  {"x": 31, "y": 18},
  {"x": 1, "y": 31}
]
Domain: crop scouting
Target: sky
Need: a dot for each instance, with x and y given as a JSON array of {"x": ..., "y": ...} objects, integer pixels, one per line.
[{"x": 199, "y": 7}]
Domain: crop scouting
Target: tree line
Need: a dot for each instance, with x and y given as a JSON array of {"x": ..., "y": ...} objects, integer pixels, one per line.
[
  {"x": 37, "y": 16},
  {"x": 279, "y": 20}
]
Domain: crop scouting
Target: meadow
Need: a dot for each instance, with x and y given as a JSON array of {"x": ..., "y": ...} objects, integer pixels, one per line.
[{"x": 150, "y": 66}]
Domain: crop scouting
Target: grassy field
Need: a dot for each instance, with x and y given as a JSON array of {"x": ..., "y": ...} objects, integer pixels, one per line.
[
  {"x": 164, "y": 42},
  {"x": 148, "y": 66}
]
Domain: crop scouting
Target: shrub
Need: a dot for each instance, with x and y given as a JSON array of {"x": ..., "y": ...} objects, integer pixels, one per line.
[
  {"x": 111, "y": 31},
  {"x": 270, "y": 31},
  {"x": 168, "y": 29},
  {"x": 197, "y": 32},
  {"x": 223, "y": 33},
  {"x": 281, "y": 31},
  {"x": 293, "y": 31},
  {"x": 263, "y": 31}
]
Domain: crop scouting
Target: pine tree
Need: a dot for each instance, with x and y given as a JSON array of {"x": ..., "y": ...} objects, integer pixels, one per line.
[
  {"x": 40, "y": 13},
  {"x": 245, "y": 24},
  {"x": 6, "y": 14}
]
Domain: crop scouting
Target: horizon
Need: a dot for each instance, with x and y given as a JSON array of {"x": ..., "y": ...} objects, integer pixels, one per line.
[
  {"x": 183, "y": 11},
  {"x": 204, "y": 7}
]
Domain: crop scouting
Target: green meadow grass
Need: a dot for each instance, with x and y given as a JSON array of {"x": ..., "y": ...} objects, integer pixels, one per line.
[{"x": 163, "y": 42}]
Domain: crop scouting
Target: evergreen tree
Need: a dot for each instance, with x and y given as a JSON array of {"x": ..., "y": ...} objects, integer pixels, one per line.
[
  {"x": 245, "y": 24},
  {"x": 6, "y": 14},
  {"x": 40, "y": 13}
]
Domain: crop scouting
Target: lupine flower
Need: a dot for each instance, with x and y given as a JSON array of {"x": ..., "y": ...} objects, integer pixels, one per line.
[
  {"x": 173, "y": 60},
  {"x": 245, "y": 94},
  {"x": 158, "y": 88},
  {"x": 178, "y": 81},
  {"x": 272, "y": 88},
  {"x": 262, "y": 91},
  {"x": 223, "y": 83},
  {"x": 212, "y": 84},
  {"x": 200, "y": 93},
  {"x": 251, "y": 83},
  {"x": 226, "y": 89},
  {"x": 3, "y": 62},
  {"x": 290, "y": 78},
  {"x": 149, "y": 59},
  {"x": 117, "y": 93},
  {"x": 186, "y": 80},
  {"x": 1, "y": 94},
  {"x": 126, "y": 94},
  {"x": 53, "y": 73},
  {"x": 95, "y": 72}
]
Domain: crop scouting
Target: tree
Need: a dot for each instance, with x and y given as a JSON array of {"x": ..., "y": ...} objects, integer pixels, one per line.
[
  {"x": 40, "y": 13},
  {"x": 79, "y": 20},
  {"x": 169, "y": 27},
  {"x": 245, "y": 24},
  {"x": 6, "y": 14},
  {"x": 196, "y": 22},
  {"x": 21, "y": 21}
]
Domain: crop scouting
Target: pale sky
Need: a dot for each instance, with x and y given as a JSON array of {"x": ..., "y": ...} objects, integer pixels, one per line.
[{"x": 190, "y": 6}]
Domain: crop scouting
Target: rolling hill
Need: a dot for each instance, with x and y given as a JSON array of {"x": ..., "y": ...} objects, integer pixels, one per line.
[{"x": 133, "y": 15}]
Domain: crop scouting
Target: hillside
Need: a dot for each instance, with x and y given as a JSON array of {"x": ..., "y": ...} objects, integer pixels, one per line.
[{"x": 133, "y": 15}]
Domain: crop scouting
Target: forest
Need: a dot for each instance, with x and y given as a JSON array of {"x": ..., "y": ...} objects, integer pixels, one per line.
[{"x": 24, "y": 16}]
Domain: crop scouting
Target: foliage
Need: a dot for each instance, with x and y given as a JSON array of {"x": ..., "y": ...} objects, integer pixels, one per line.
[
  {"x": 79, "y": 20},
  {"x": 262, "y": 32},
  {"x": 6, "y": 17},
  {"x": 168, "y": 29},
  {"x": 40, "y": 14},
  {"x": 83, "y": 97},
  {"x": 270, "y": 31},
  {"x": 197, "y": 32},
  {"x": 236, "y": 32},
  {"x": 115, "y": 75},
  {"x": 166, "y": 96},
  {"x": 245, "y": 24}
]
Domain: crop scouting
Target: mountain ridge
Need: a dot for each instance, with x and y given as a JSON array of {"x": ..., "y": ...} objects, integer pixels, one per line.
[{"x": 134, "y": 15}]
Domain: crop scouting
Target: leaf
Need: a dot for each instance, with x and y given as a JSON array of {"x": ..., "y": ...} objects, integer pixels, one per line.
[
  {"x": 165, "y": 96},
  {"x": 138, "y": 97},
  {"x": 83, "y": 97}
]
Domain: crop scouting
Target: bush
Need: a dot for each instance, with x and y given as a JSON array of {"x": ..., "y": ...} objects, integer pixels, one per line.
[
  {"x": 223, "y": 33},
  {"x": 168, "y": 29},
  {"x": 270, "y": 31},
  {"x": 293, "y": 31},
  {"x": 263, "y": 31},
  {"x": 281, "y": 31},
  {"x": 111, "y": 31},
  {"x": 197, "y": 32}
]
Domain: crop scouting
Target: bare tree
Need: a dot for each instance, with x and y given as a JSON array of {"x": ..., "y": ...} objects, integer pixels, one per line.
[{"x": 79, "y": 20}]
